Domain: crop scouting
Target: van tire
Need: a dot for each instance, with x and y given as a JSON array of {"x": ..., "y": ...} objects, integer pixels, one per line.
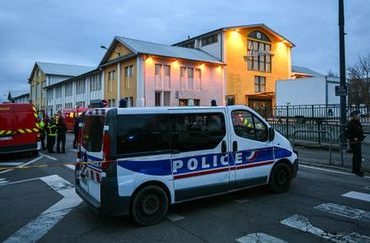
[
  {"x": 149, "y": 205},
  {"x": 280, "y": 178}
]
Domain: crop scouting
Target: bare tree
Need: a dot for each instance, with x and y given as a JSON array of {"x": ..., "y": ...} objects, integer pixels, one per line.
[{"x": 359, "y": 81}]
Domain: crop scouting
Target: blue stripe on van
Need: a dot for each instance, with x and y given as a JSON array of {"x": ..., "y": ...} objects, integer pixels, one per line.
[
  {"x": 208, "y": 162},
  {"x": 282, "y": 153},
  {"x": 149, "y": 167}
]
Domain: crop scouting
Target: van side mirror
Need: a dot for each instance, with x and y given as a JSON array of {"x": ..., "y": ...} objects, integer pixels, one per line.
[{"x": 271, "y": 133}]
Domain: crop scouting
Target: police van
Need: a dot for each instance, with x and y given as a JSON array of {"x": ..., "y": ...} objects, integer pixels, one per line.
[{"x": 138, "y": 161}]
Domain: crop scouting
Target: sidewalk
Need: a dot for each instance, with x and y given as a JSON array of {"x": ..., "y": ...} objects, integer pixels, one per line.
[{"x": 319, "y": 156}]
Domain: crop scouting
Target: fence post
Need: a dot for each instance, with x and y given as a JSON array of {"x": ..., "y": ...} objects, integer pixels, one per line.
[{"x": 287, "y": 121}]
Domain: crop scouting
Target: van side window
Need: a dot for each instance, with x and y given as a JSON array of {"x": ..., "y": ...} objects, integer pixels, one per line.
[
  {"x": 197, "y": 131},
  {"x": 142, "y": 134},
  {"x": 247, "y": 125}
]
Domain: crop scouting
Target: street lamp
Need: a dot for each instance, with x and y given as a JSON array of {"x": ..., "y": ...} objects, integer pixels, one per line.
[
  {"x": 342, "y": 75},
  {"x": 104, "y": 47}
]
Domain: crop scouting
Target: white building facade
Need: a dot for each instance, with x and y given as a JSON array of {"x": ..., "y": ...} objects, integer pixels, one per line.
[{"x": 83, "y": 91}]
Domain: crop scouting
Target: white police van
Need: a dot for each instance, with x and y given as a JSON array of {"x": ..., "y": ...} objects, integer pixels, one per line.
[{"x": 155, "y": 157}]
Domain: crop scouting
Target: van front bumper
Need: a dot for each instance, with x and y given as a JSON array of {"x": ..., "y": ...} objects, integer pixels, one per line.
[{"x": 295, "y": 167}]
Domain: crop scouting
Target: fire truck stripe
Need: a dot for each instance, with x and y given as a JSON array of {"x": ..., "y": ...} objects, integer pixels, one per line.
[
  {"x": 8, "y": 132},
  {"x": 21, "y": 131},
  {"x": 28, "y": 130}
]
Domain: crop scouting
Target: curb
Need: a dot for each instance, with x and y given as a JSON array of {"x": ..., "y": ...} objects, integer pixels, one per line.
[{"x": 332, "y": 167}]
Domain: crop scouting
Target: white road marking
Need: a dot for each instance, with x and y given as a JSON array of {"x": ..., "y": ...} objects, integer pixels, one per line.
[
  {"x": 328, "y": 170},
  {"x": 48, "y": 156},
  {"x": 24, "y": 164},
  {"x": 341, "y": 210},
  {"x": 174, "y": 217},
  {"x": 3, "y": 182},
  {"x": 303, "y": 224},
  {"x": 21, "y": 181},
  {"x": 242, "y": 201},
  {"x": 38, "y": 227},
  {"x": 10, "y": 163},
  {"x": 259, "y": 237},
  {"x": 73, "y": 150},
  {"x": 358, "y": 195},
  {"x": 72, "y": 167},
  {"x": 367, "y": 188}
]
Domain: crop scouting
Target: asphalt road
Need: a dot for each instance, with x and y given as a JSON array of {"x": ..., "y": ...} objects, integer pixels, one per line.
[{"x": 40, "y": 204}]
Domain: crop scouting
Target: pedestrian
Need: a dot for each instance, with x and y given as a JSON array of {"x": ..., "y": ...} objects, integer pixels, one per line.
[
  {"x": 213, "y": 103},
  {"x": 42, "y": 133},
  {"x": 51, "y": 130},
  {"x": 355, "y": 135},
  {"x": 76, "y": 126},
  {"x": 61, "y": 135}
]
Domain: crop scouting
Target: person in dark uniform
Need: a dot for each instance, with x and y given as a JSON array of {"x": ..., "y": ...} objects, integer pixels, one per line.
[
  {"x": 42, "y": 133},
  {"x": 61, "y": 135},
  {"x": 51, "y": 131},
  {"x": 75, "y": 130},
  {"x": 355, "y": 135}
]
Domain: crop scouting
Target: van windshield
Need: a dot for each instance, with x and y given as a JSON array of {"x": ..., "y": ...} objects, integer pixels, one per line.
[{"x": 93, "y": 133}]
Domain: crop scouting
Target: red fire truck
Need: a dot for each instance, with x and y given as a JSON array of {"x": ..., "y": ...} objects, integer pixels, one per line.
[
  {"x": 19, "y": 128},
  {"x": 69, "y": 116}
]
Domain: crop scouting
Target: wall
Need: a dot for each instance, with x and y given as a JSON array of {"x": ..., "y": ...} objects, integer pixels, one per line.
[
  {"x": 240, "y": 80},
  {"x": 214, "y": 49},
  {"x": 212, "y": 82},
  {"x": 131, "y": 91}
]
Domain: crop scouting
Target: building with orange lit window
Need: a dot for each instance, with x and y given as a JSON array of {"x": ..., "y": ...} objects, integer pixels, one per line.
[
  {"x": 255, "y": 57},
  {"x": 150, "y": 74}
]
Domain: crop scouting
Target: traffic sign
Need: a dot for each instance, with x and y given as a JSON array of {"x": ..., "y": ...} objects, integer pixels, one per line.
[{"x": 341, "y": 90}]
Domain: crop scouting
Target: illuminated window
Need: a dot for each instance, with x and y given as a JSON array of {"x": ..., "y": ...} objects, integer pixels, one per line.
[
  {"x": 162, "y": 76},
  {"x": 258, "y": 52},
  {"x": 259, "y": 84},
  {"x": 128, "y": 75}
]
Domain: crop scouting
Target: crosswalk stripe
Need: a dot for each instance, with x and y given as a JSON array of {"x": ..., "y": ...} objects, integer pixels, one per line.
[
  {"x": 10, "y": 163},
  {"x": 345, "y": 211},
  {"x": 174, "y": 217},
  {"x": 2, "y": 179},
  {"x": 259, "y": 237},
  {"x": 358, "y": 195},
  {"x": 4, "y": 182},
  {"x": 303, "y": 224}
]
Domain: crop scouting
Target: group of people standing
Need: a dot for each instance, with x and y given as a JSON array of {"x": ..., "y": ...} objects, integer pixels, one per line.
[{"x": 54, "y": 132}]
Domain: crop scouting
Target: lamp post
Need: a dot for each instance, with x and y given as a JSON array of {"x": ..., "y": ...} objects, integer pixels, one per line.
[
  {"x": 342, "y": 74},
  {"x": 104, "y": 47}
]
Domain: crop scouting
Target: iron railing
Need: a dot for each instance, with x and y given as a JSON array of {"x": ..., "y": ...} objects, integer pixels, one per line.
[{"x": 322, "y": 118}]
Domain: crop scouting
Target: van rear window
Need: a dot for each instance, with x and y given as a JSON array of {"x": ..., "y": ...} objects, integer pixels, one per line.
[{"x": 93, "y": 133}]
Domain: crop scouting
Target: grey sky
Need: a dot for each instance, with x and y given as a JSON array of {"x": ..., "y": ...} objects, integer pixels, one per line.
[{"x": 71, "y": 31}]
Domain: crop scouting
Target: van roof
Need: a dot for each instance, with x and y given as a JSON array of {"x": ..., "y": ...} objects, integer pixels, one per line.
[{"x": 162, "y": 109}]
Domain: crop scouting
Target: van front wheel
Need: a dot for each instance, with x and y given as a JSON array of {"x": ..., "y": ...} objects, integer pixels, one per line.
[
  {"x": 280, "y": 178},
  {"x": 149, "y": 206}
]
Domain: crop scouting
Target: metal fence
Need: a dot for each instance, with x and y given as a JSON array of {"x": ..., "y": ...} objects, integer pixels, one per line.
[{"x": 325, "y": 119}]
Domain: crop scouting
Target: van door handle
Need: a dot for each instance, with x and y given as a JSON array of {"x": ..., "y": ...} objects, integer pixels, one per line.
[
  {"x": 235, "y": 146},
  {"x": 223, "y": 147}
]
